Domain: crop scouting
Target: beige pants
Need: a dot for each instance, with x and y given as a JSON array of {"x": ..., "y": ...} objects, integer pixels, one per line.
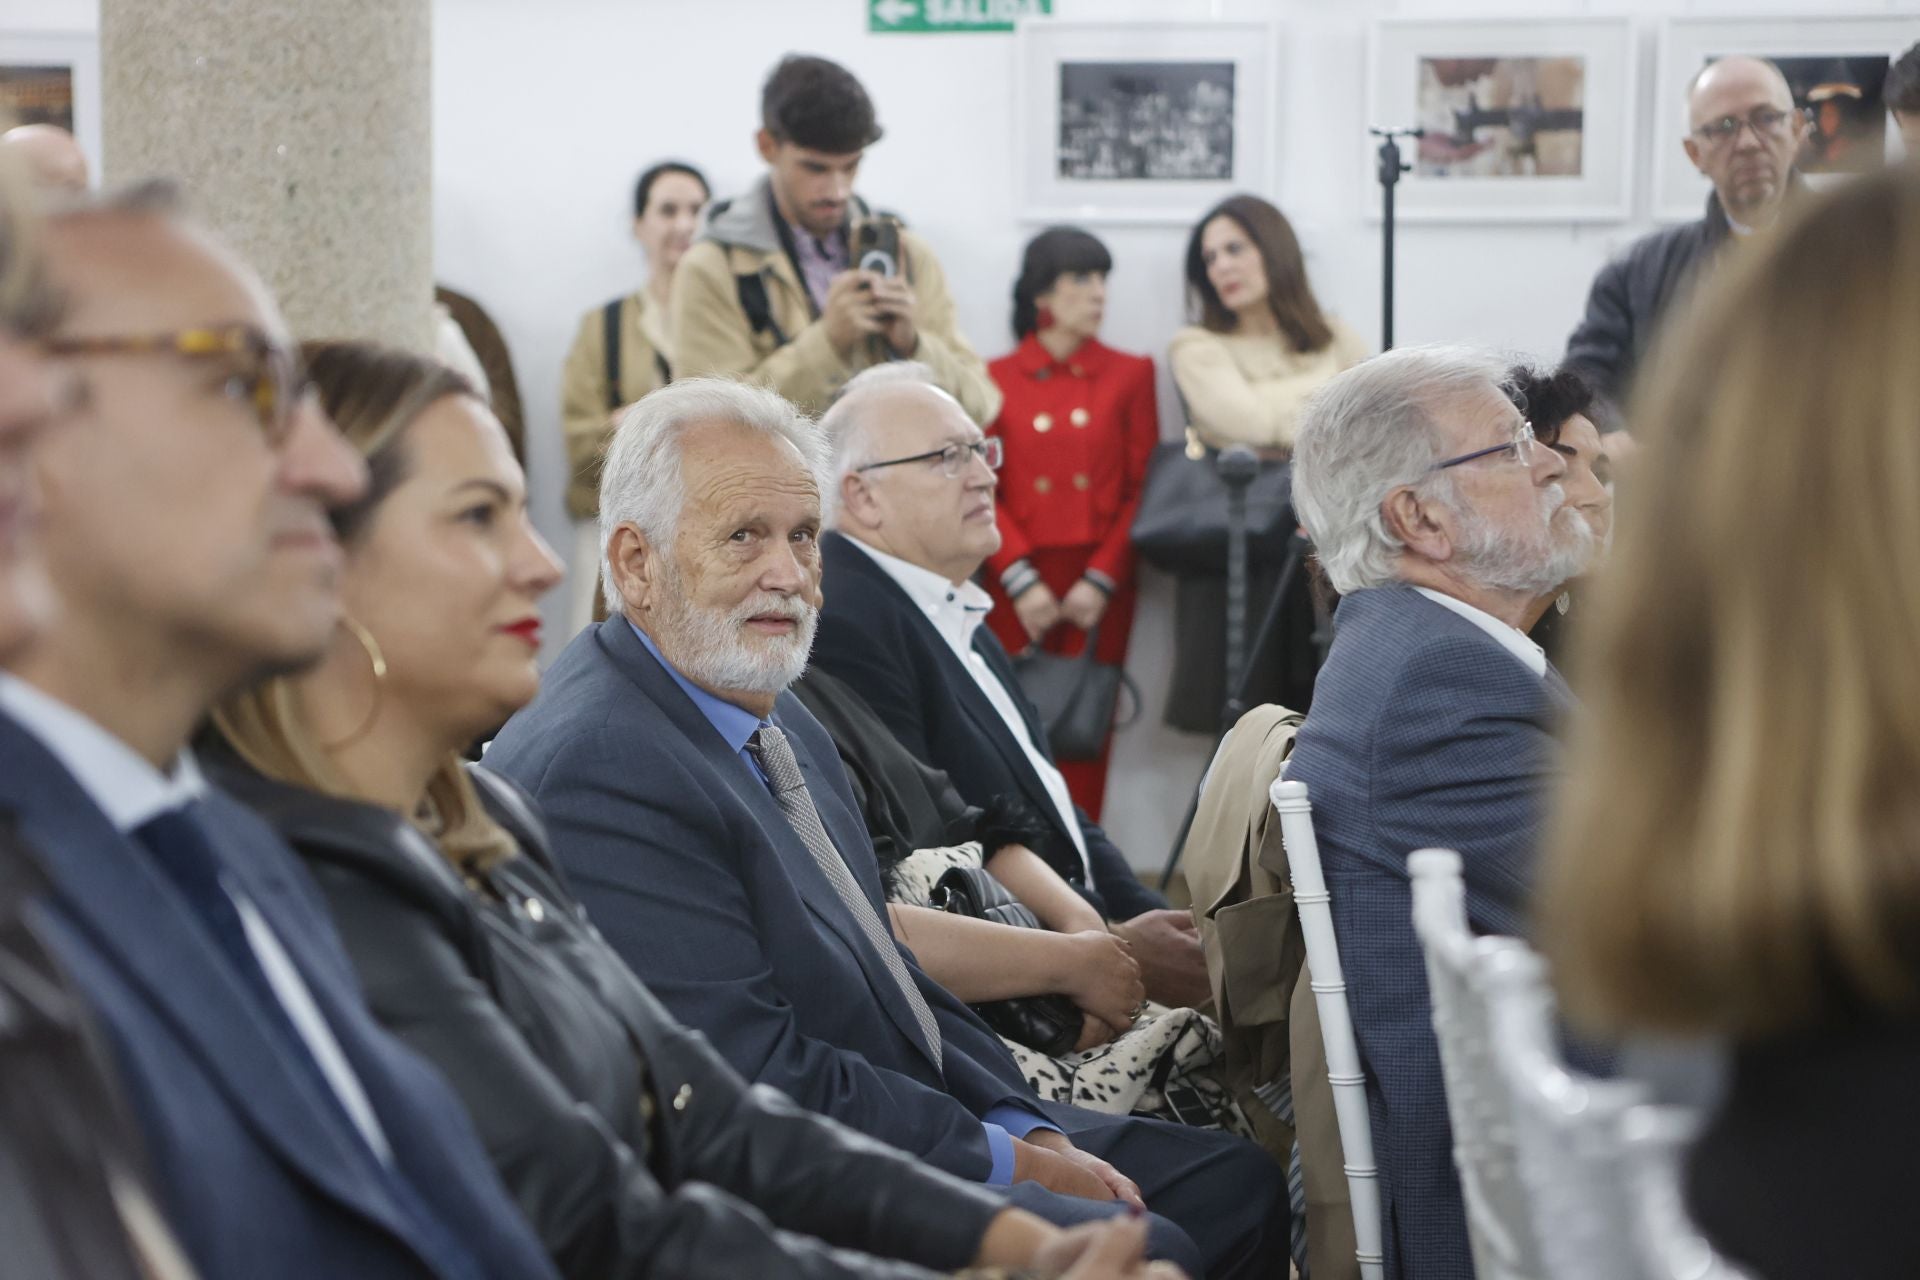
[{"x": 583, "y": 576}]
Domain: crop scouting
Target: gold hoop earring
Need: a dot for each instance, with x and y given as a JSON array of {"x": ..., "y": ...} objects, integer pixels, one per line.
[{"x": 376, "y": 660}]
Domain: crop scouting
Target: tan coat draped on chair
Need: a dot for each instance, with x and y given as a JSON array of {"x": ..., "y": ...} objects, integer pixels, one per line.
[{"x": 1256, "y": 962}]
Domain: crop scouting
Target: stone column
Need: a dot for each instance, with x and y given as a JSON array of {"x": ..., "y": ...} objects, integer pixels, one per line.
[{"x": 301, "y": 129}]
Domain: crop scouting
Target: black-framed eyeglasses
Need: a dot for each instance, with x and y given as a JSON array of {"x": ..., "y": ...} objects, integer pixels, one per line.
[
  {"x": 952, "y": 458},
  {"x": 1767, "y": 123},
  {"x": 1519, "y": 449},
  {"x": 268, "y": 376}
]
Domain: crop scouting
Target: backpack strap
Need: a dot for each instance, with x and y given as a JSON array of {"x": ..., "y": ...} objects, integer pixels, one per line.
[
  {"x": 752, "y": 290},
  {"x": 610, "y": 325}
]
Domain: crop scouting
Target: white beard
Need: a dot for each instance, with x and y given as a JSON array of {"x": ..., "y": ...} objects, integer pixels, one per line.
[
  {"x": 709, "y": 647},
  {"x": 1537, "y": 561}
]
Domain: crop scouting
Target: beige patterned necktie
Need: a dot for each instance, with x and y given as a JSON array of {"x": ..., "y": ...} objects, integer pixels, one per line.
[{"x": 769, "y": 748}]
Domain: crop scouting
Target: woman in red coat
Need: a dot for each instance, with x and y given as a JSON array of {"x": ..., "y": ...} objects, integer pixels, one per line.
[{"x": 1078, "y": 425}]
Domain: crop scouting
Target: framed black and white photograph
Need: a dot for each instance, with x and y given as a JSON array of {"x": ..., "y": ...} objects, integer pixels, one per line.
[
  {"x": 1521, "y": 120},
  {"x": 53, "y": 77},
  {"x": 1835, "y": 67},
  {"x": 1144, "y": 122}
]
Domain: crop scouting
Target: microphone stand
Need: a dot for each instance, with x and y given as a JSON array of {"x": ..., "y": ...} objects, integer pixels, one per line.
[{"x": 1388, "y": 173}]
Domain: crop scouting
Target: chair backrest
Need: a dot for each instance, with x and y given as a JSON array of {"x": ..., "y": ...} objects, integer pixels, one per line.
[
  {"x": 1479, "y": 1105},
  {"x": 1336, "y": 1022},
  {"x": 1566, "y": 1177},
  {"x": 1667, "y": 1244}
]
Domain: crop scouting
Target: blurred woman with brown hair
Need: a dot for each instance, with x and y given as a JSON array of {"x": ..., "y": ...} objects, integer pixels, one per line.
[
  {"x": 632, "y": 1148},
  {"x": 1738, "y": 850},
  {"x": 1261, "y": 346}
]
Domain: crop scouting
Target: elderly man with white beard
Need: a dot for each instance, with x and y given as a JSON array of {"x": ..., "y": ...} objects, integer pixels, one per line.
[
  {"x": 1443, "y": 524},
  {"x": 705, "y": 820}
]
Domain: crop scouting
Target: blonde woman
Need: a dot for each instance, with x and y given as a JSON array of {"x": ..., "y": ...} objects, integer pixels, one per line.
[
  {"x": 631, "y": 1147},
  {"x": 1738, "y": 853}
]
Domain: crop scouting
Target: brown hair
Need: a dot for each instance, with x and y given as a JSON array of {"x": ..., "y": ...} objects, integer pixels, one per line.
[
  {"x": 374, "y": 394},
  {"x": 1738, "y": 847},
  {"x": 1288, "y": 293}
]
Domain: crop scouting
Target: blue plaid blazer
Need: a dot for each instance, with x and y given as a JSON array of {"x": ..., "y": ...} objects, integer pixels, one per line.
[{"x": 1424, "y": 732}]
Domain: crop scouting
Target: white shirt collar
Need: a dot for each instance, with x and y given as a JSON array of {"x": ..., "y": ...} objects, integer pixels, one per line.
[
  {"x": 1511, "y": 638},
  {"x": 956, "y": 608},
  {"x": 127, "y": 788}
]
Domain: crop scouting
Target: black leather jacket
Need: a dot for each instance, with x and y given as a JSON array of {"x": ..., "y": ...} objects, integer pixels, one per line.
[{"x": 632, "y": 1147}]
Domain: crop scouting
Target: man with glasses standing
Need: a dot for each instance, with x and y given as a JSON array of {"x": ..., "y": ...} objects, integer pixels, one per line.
[
  {"x": 915, "y": 501},
  {"x": 1743, "y": 133},
  {"x": 1442, "y": 524},
  {"x": 185, "y": 528}
]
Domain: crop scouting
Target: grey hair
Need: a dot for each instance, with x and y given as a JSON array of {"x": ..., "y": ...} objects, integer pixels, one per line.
[
  {"x": 641, "y": 483},
  {"x": 1367, "y": 432},
  {"x": 846, "y": 427}
]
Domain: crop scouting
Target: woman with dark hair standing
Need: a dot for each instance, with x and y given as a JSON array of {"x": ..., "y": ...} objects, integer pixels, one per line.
[
  {"x": 1078, "y": 425},
  {"x": 622, "y": 350},
  {"x": 1261, "y": 346}
]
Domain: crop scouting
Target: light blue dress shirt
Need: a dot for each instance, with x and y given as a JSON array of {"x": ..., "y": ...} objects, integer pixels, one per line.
[{"x": 735, "y": 725}]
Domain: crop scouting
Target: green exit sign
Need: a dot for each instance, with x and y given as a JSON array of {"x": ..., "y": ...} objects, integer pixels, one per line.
[{"x": 943, "y": 17}]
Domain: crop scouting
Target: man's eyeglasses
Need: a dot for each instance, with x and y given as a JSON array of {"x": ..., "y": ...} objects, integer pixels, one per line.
[
  {"x": 267, "y": 376},
  {"x": 1767, "y": 123},
  {"x": 1519, "y": 449},
  {"x": 953, "y": 458}
]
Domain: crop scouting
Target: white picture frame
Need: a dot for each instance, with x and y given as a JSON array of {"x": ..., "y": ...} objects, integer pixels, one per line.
[
  {"x": 1074, "y": 83},
  {"x": 1686, "y": 44},
  {"x": 1483, "y": 169},
  {"x": 79, "y": 53}
]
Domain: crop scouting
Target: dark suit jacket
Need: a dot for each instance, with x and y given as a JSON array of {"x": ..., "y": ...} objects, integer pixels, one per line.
[
  {"x": 875, "y": 638},
  {"x": 681, "y": 856},
  {"x": 259, "y": 1173},
  {"x": 1424, "y": 732}
]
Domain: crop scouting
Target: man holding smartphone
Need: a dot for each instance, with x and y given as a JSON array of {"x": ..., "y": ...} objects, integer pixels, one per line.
[{"x": 797, "y": 285}]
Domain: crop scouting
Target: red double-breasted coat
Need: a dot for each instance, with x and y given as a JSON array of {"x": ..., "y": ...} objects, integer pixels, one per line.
[{"x": 1078, "y": 435}]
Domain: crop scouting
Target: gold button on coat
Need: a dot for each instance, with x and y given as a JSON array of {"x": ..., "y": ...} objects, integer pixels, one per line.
[
  {"x": 1043, "y": 422},
  {"x": 1081, "y": 482},
  {"x": 1080, "y": 417},
  {"x": 1043, "y": 485},
  {"x": 683, "y": 1097}
]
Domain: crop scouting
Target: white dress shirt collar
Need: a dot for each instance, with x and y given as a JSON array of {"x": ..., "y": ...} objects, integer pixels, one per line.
[
  {"x": 128, "y": 789},
  {"x": 956, "y": 608},
  {"x": 1511, "y": 638}
]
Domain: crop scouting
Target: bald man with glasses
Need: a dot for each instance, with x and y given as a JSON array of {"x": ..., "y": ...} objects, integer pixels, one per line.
[{"x": 1743, "y": 132}]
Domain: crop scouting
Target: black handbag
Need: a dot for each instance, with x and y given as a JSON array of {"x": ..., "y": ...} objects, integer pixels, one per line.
[
  {"x": 1182, "y": 523},
  {"x": 1050, "y": 1024},
  {"x": 1075, "y": 696}
]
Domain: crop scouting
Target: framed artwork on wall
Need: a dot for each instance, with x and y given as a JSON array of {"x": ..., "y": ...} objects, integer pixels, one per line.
[
  {"x": 1524, "y": 119},
  {"x": 1140, "y": 122},
  {"x": 53, "y": 77},
  {"x": 1834, "y": 66}
]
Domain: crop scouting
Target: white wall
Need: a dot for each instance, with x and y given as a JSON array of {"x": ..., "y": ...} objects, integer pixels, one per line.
[{"x": 545, "y": 112}]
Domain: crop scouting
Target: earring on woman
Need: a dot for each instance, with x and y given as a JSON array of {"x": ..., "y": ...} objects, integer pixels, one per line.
[{"x": 378, "y": 662}]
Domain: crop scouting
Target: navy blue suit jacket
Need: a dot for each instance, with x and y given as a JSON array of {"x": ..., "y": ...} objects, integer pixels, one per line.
[
  {"x": 259, "y": 1172},
  {"x": 685, "y": 862},
  {"x": 877, "y": 640},
  {"x": 1424, "y": 732}
]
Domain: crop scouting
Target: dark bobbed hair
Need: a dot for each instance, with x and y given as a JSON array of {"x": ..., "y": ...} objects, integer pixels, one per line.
[
  {"x": 1055, "y": 252},
  {"x": 817, "y": 104},
  {"x": 1901, "y": 92},
  {"x": 1288, "y": 293},
  {"x": 643, "y": 189},
  {"x": 1548, "y": 398}
]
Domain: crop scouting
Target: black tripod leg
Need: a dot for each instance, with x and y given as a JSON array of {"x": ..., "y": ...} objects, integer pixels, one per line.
[{"x": 1289, "y": 570}]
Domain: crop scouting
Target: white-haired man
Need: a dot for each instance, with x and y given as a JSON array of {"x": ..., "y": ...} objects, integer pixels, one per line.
[
  {"x": 914, "y": 488},
  {"x": 1442, "y": 524},
  {"x": 704, "y": 816}
]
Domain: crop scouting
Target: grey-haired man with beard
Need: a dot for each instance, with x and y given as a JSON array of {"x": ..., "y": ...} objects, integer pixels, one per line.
[
  {"x": 705, "y": 819},
  {"x": 1442, "y": 523}
]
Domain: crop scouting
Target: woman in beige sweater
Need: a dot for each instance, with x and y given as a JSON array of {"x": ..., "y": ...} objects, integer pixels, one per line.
[{"x": 1261, "y": 347}]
